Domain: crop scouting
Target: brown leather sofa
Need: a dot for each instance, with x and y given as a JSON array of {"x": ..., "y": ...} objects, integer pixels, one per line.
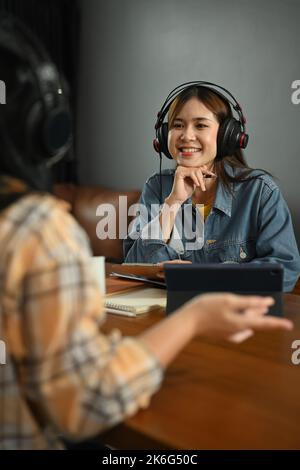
[{"x": 84, "y": 201}]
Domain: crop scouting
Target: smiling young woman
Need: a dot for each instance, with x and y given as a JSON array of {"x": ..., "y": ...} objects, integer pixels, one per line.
[{"x": 244, "y": 217}]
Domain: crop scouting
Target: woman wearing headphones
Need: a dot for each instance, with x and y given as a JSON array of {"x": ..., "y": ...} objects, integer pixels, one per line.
[{"x": 212, "y": 208}]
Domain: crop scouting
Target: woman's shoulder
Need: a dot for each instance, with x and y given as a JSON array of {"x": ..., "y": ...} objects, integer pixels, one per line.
[
  {"x": 167, "y": 174},
  {"x": 154, "y": 185},
  {"x": 40, "y": 216},
  {"x": 256, "y": 177},
  {"x": 53, "y": 221},
  {"x": 41, "y": 210}
]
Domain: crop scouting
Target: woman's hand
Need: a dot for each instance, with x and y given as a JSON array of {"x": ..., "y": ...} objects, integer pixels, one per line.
[
  {"x": 161, "y": 273},
  {"x": 218, "y": 316},
  {"x": 185, "y": 182},
  {"x": 233, "y": 317}
]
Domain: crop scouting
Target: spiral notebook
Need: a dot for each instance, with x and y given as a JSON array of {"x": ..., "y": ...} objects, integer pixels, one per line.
[{"x": 136, "y": 301}]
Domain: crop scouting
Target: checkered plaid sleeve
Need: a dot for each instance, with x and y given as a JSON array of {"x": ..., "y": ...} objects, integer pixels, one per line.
[{"x": 78, "y": 379}]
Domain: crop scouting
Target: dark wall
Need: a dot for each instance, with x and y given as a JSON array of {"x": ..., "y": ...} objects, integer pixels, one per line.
[{"x": 56, "y": 23}]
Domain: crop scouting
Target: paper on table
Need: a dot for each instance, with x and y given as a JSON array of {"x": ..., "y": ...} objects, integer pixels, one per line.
[
  {"x": 143, "y": 279},
  {"x": 136, "y": 301}
]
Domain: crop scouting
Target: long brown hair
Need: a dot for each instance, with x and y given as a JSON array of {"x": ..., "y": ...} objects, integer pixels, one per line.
[{"x": 222, "y": 110}]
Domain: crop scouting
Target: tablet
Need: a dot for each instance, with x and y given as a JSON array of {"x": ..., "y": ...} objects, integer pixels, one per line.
[{"x": 185, "y": 281}]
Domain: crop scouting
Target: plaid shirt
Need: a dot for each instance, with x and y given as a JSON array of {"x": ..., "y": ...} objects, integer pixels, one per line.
[{"x": 62, "y": 377}]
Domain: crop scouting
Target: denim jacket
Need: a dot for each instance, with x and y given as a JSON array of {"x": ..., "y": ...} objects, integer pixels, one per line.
[{"x": 253, "y": 224}]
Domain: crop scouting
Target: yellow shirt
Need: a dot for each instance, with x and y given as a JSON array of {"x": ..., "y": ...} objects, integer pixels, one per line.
[{"x": 204, "y": 209}]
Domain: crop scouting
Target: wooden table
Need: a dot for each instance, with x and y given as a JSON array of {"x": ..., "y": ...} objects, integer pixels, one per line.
[{"x": 217, "y": 395}]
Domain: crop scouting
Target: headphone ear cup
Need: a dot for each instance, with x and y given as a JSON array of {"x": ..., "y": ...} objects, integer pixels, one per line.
[
  {"x": 31, "y": 129},
  {"x": 57, "y": 131},
  {"x": 162, "y": 136},
  {"x": 229, "y": 137},
  {"x": 42, "y": 131},
  {"x": 47, "y": 134}
]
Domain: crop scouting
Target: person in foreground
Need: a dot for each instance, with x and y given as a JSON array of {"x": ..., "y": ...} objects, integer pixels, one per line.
[
  {"x": 63, "y": 379},
  {"x": 212, "y": 208}
]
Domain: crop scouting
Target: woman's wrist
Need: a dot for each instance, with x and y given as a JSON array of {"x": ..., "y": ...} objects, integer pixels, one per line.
[
  {"x": 190, "y": 320},
  {"x": 171, "y": 201}
]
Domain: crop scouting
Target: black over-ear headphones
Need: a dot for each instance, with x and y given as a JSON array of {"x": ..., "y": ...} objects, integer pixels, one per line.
[
  {"x": 231, "y": 134},
  {"x": 44, "y": 116}
]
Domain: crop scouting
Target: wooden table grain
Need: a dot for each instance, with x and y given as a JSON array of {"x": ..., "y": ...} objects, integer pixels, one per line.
[{"x": 218, "y": 395}]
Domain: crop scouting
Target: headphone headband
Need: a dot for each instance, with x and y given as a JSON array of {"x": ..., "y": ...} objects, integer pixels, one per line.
[
  {"x": 231, "y": 134},
  {"x": 184, "y": 86}
]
